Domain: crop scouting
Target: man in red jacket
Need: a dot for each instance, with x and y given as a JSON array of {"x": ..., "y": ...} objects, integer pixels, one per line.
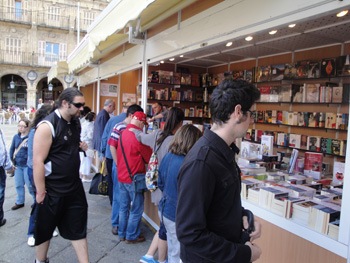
[{"x": 137, "y": 156}]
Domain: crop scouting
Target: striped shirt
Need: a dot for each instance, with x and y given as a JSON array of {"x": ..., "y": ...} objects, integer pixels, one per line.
[{"x": 117, "y": 130}]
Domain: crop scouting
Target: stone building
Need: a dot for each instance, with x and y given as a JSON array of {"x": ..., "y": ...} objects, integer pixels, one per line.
[{"x": 34, "y": 35}]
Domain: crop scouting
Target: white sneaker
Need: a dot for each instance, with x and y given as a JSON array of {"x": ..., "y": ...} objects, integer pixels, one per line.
[
  {"x": 55, "y": 234},
  {"x": 31, "y": 241}
]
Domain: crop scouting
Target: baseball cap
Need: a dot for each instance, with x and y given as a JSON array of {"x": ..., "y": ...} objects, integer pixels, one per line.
[{"x": 139, "y": 115}]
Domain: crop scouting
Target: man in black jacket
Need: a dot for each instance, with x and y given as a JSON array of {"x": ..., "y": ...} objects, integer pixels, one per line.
[{"x": 209, "y": 216}]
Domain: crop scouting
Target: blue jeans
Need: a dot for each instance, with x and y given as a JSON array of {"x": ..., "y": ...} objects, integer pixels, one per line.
[
  {"x": 115, "y": 203},
  {"x": 130, "y": 224},
  {"x": 21, "y": 178},
  {"x": 2, "y": 191},
  {"x": 32, "y": 214}
]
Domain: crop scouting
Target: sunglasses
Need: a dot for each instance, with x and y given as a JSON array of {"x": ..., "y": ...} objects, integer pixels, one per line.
[{"x": 78, "y": 105}]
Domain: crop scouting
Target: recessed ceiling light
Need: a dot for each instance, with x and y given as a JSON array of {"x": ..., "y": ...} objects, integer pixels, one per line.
[
  {"x": 272, "y": 32},
  {"x": 162, "y": 61},
  {"x": 249, "y": 38},
  {"x": 171, "y": 59},
  {"x": 181, "y": 56},
  {"x": 291, "y": 25},
  {"x": 342, "y": 13},
  {"x": 228, "y": 44}
]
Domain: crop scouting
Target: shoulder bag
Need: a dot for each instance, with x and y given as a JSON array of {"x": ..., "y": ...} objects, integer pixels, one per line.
[{"x": 138, "y": 179}]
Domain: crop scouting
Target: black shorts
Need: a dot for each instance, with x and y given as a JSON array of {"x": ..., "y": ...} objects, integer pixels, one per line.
[{"x": 68, "y": 213}]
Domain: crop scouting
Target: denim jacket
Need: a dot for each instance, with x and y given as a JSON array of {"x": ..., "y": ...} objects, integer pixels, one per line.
[
  {"x": 22, "y": 155},
  {"x": 167, "y": 183}
]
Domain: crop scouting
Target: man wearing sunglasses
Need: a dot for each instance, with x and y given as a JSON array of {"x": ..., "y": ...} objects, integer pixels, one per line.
[{"x": 60, "y": 197}]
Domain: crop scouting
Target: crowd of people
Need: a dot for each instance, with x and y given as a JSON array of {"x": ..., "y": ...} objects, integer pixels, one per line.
[{"x": 198, "y": 184}]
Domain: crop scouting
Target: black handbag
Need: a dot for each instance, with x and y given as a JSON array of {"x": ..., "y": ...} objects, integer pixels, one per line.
[
  {"x": 99, "y": 184},
  {"x": 138, "y": 180}
]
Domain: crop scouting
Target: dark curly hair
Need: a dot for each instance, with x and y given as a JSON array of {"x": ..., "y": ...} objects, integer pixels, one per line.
[{"x": 228, "y": 95}]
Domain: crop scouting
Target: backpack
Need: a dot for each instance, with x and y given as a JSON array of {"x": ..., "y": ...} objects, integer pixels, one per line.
[{"x": 152, "y": 171}]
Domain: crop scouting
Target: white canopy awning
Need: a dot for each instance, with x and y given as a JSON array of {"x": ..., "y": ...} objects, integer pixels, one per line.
[
  {"x": 59, "y": 69},
  {"x": 105, "y": 33}
]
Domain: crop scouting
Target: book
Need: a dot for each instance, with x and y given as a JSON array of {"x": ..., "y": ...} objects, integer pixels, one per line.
[
  {"x": 265, "y": 73},
  {"x": 260, "y": 116},
  {"x": 195, "y": 80},
  {"x": 185, "y": 79},
  {"x": 299, "y": 190},
  {"x": 313, "y": 164},
  {"x": 294, "y": 140},
  {"x": 264, "y": 94},
  {"x": 313, "y": 119},
  {"x": 328, "y": 67},
  {"x": 336, "y": 147},
  {"x": 312, "y": 93},
  {"x": 320, "y": 216},
  {"x": 285, "y": 93},
  {"x": 298, "y": 93},
  {"x": 249, "y": 183},
  {"x": 282, "y": 139},
  {"x": 313, "y": 143},
  {"x": 338, "y": 120},
  {"x": 268, "y": 194},
  {"x": 303, "y": 141},
  {"x": 323, "y": 147},
  {"x": 268, "y": 116},
  {"x": 337, "y": 94},
  {"x": 345, "y": 120},
  {"x": 343, "y": 65},
  {"x": 250, "y": 149},
  {"x": 274, "y": 116},
  {"x": 267, "y": 145},
  {"x": 322, "y": 120},
  {"x": 273, "y": 97},
  {"x": 290, "y": 71},
  {"x": 338, "y": 172},
  {"x": 277, "y": 72},
  {"x": 329, "y": 94},
  {"x": 165, "y": 77},
  {"x": 314, "y": 70},
  {"x": 333, "y": 229},
  {"x": 293, "y": 158},
  {"x": 330, "y": 120},
  {"x": 279, "y": 117},
  {"x": 177, "y": 78},
  {"x": 303, "y": 68},
  {"x": 301, "y": 211}
]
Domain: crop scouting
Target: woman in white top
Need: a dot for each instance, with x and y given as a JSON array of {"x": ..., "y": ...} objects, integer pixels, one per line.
[{"x": 87, "y": 131}]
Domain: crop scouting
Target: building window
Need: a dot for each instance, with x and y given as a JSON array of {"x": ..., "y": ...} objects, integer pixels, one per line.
[
  {"x": 54, "y": 13},
  {"x": 89, "y": 17},
  {"x": 18, "y": 9},
  {"x": 51, "y": 52},
  {"x": 13, "y": 49}
]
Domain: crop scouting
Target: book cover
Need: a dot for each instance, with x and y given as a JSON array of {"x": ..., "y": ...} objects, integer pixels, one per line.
[
  {"x": 324, "y": 142},
  {"x": 248, "y": 135},
  {"x": 344, "y": 122},
  {"x": 312, "y": 93},
  {"x": 268, "y": 116},
  {"x": 314, "y": 70},
  {"x": 294, "y": 140},
  {"x": 313, "y": 164},
  {"x": 274, "y": 116},
  {"x": 337, "y": 94},
  {"x": 165, "y": 77},
  {"x": 297, "y": 93},
  {"x": 267, "y": 145},
  {"x": 177, "y": 78},
  {"x": 258, "y": 134},
  {"x": 336, "y": 146},
  {"x": 277, "y": 72},
  {"x": 303, "y": 68},
  {"x": 195, "y": 80},
  {"x": 343, "y": 65},
  {"x": 280, "y": 117},
  {"x": 313, "y": 119},
  {"x": 314, "y": 143},
  {"x": 264, "y": 94},
  {"x": 330, "y": 120},
  {"x": 300, "y": 119},
  {"x": 282, "y": 139},
  {"x": 322, "y": 120},
  {"x": 338, "y": 120},
  {"x": 186, "y": 79},
  {"x": 285, "y": 93},
  {"x": 328, "y": 67},
  {"x": 265, "y": 73},
  {"x": 273, "y": 97},
  {"x": 260, "y": 116},
  {"x": 290, "y": 118},
  {"x": 290, "y": 71},
  {"x": 303, "y": 142},
  {"x": 338, "y": 172}
]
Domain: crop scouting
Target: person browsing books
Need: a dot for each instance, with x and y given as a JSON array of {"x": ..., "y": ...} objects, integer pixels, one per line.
[{"x": 209, "y": 215}]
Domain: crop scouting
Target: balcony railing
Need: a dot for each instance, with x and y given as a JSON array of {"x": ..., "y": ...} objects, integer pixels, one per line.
[
  {"x": 44, "y": 19},
  {"x": 16, "y": 15},
  {"x": 29, "y": 59}
]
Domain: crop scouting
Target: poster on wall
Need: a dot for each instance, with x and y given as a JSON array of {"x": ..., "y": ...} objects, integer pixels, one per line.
[
  {"x": 109, "y": 90},
  {"x": 129, "y": 97}
]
